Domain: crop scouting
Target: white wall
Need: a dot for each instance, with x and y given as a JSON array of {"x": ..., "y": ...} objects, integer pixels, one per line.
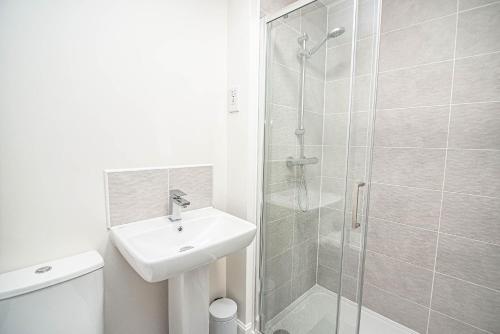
[
  {"x": 87, "y": 85},
  {"x": 243, "y": 56}
]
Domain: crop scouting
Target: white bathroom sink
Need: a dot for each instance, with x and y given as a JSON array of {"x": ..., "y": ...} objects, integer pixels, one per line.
[{"x": 158, "y": 251}]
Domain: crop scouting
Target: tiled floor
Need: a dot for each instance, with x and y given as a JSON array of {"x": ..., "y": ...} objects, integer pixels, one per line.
[{"x": 315, "y": 313}]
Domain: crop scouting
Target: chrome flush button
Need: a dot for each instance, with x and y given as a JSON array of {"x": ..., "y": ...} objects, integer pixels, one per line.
[{"x": 43, "y": 270}]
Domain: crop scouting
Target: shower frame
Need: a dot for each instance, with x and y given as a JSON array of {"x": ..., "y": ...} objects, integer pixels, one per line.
[{"x": 263, "y": 133}]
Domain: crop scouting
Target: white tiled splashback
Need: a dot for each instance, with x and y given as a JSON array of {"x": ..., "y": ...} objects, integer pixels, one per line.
[{"x": 138, "y": 194}]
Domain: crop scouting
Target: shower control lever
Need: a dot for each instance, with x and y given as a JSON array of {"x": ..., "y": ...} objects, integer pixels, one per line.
[
  {"x": 355, "y": 202},
  {"x": 292, "y": 162}
]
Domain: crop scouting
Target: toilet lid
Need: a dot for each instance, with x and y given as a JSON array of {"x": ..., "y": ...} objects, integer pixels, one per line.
[{"x": 223, "y": 309}]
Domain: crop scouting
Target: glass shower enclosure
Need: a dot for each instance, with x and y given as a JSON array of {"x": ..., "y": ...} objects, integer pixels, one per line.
[{"x": 320, "y": 87}]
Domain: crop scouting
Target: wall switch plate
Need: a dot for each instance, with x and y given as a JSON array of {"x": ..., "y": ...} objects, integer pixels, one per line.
[{"x": 233, "y": 97}]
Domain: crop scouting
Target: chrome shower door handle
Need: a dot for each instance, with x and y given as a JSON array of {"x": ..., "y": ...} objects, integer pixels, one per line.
[{"x": 355, "y": 201}]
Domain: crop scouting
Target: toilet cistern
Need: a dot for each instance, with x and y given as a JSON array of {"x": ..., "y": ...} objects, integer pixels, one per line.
[{"x": 175, "y": 210}]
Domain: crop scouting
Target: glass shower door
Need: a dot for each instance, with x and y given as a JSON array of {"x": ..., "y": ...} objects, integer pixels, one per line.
[
  {"x": 293, "y": 133},
  {"x": 317, "y": 120},
  {"x": 360, "y": 56}
]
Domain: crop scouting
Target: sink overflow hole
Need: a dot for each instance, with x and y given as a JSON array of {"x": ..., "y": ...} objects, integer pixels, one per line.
[{"x": 185, "y": 248}]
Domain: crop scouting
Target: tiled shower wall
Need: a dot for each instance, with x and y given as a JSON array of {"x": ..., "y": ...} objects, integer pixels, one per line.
[
  {"x": 433, "y": 260},
  {"x": 140, "y": 194},
  {"x": 291, "y": 236}
]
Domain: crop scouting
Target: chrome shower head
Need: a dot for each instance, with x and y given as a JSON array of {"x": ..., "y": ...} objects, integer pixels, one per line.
[{"x": 334, "y": 33}]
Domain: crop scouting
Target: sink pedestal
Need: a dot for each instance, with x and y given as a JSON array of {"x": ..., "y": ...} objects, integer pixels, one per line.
[
  {"x": 188, "y": 302},
  {"x": 158, "y": 251}
]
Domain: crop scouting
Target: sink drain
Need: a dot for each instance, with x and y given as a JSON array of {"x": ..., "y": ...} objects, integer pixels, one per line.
[
  {"x": 185, "y": 248},
  {"x": 281, "y": 331}
]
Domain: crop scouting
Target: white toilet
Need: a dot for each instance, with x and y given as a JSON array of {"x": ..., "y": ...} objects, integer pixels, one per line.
[{"x": 58, "y": 297}]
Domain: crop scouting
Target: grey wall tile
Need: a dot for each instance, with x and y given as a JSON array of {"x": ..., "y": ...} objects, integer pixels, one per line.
[
  {"x": 275, "y": 212},
  {"x": 278, "y": 172},
  {"x": 283, "y": 121},
  {"x": 415, "y": 207},
  {"x": 335, "y": 132},
  {"x": 305, "y": 226},
  {"x": 274, "y": 301},
  {"x": 284, "y": 46},
  {"x": 281, "y": 152},
  {"x": 137, "y": 195},
  {"x": 359, "y": 129},
  {"x": 330, "y": 222},
  {"x": 316, "y": 64},
  {"x": 467, "y": 4},
  {"x": 196, "y": 182},
  {"x": 279, "y": 201},
  {"x": 364, "y": 56},
  {"x": 303, "y": 282},
  {"x": 278, "y": 236},
  {"x": 421, "y": 168},
  {"x": 473, "y": 172},
  {"x": 475, "y": 126},
  {"x": 428, "y": 42},
  {"x": 478, "y": 31},
  {"x": 402, "y": 13},
  {"x": 426, "y": 85},
  {"x": 313, "y": 123},
  {"x": 402, "y": 242},
  {"x": 329, "y": 256},
  {"x": 313, "y": 171},
  {"x": 403, "y": 311},
  {"x": 477, "y": 79},
  {"x": 366, "y": 18},
  {"x": 314, "y": 93},
  {"x": 357, "y": 163},
  {"x": 340, "y": 16},
  {"x": 337, "y": 96},
  {"x": 281, "y": 188},
  {"x": 415, "y": 127},
  {"x": 329, "y": 252},
  {"x": 334, "y": 157},
  {"x": 440, "y": 324},
  {"x": 333, "y": 193},
  {"x": 466, "y": 302},
  {"x": 362, "y": 93},
  {"x": 304, "y": 257},
  {"x": 284, "y": 86},
  {"x": 334, "y": 162},
  {"x": 278, "y": 270},
  {"x": 470, "y": 260},
  {"x": 471, "y": 216},
  {"x": 329, "y": 279},
  {"x": 314, "y": 191},
  {"x": 338, "y": 62},
  {"x": 314, "y": 18},
  {"x": 402, "y": 279}
]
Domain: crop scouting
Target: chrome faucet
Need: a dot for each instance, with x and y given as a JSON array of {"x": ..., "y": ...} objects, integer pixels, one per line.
[{"x": 175, "y": 210}]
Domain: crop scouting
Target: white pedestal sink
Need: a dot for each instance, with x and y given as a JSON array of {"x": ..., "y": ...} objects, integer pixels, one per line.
[{"x": 157, "y": 250}]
